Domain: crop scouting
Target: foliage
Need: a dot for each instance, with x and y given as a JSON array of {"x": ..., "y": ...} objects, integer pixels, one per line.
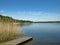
[{"x": 10, "y": 19}]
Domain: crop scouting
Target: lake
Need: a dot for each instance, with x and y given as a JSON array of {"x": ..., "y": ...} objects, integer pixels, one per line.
[{"x": 42, "y": 33}]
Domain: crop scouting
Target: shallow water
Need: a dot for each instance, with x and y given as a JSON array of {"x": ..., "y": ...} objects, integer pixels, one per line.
[{"x": 42, "y": 33}]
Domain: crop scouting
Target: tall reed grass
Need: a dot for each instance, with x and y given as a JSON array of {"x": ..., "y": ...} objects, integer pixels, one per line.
[{"x": 8, "y": 31}]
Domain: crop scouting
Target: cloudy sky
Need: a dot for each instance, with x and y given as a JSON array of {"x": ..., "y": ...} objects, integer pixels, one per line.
[{"x": 35, "y": 10}]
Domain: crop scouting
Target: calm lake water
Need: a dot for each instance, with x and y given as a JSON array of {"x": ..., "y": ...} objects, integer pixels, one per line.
[{"x": 42, "y": 33}]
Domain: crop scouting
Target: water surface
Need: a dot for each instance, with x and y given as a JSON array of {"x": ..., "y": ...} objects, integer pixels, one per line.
[{"x": 42, "y": 33}]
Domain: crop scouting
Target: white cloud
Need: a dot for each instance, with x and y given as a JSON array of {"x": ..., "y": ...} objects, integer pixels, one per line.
[{"x": 39, "y": 15}]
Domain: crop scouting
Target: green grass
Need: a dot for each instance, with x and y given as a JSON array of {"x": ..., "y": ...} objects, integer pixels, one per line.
[
  {"x": 7, "y": 35},
  {"x": 5, "y": 44}
]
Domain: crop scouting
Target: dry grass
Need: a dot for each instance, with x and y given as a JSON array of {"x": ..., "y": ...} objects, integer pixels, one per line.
[{"x": 8, "y": 31}]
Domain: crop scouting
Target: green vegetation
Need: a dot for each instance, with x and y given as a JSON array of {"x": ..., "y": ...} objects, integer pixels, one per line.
[
  {"x": 5, "y": 44},
  {"x": 7, "y": 35},
  {"x": 10, "y": 19},
  {"x": 5, "y": 19}
]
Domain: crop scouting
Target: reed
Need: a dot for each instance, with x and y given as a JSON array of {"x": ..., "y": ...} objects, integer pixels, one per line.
[{"x": 8, "y": 31}]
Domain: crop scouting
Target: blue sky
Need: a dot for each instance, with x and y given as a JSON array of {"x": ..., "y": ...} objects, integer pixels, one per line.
[{"x": 35, "y": 10}]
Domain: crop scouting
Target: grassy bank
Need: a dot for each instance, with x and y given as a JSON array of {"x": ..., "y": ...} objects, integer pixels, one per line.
[{"x": 8, "y": 28}]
